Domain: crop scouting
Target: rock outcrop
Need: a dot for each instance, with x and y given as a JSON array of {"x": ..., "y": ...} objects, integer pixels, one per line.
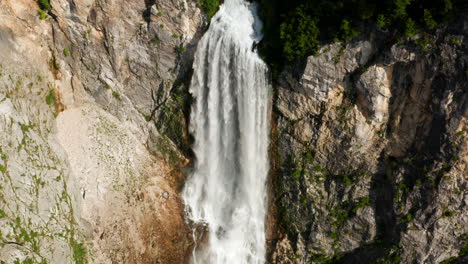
[
  {"x": 371, "y": 152},
  {"x": 92, "y": 130}
]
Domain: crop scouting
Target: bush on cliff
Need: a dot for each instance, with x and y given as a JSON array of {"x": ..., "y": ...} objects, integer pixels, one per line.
[
  {"x": 44, "y": 4},
  {"x": 294, "y": 29},
  {"x": 210, "y": 7}
]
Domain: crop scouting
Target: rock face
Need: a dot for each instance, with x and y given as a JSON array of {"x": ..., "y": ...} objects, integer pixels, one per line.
[
  {"x": 92, "y": 128},
  {"x": 371, "y": 152},
  {"x": 369, "y": 147}
]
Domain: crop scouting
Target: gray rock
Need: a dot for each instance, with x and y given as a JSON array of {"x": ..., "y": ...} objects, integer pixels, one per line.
[{"x": 371, "y": 153}]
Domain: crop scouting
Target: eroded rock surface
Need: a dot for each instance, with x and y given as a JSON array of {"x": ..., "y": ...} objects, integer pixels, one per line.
[
  {"x": 371, "y": 144},
  {"x": 92, "y": 128}
]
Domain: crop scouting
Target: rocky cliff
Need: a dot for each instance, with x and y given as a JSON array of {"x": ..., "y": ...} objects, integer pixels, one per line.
[
  {"x": 92, "y": 120},
  {"x": 369, "y": 140},
  {"x": 370, "y": 152}
]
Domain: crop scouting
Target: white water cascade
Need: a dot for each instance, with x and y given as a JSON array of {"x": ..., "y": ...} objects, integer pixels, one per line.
[{"x": 230, "y": 123}]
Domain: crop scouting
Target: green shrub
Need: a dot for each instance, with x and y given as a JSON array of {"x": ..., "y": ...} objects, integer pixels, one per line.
[
  {"x": 448, "y": 7},
  {"x": 66, "y": 52},
  {"x": 50, "y": 98},
  {"x": 42, "y": 14},
  {"x": 293, "y": 29},
  {"x": 429, "y": 20},
  {"x": 382, "y": 21},
  {"x": 399, "y": 9},
  {"x": 410, "y": 28},
  {"x": 423, "y": 42},
  {"x": 409, "y": 217},
  {"x": 363, "y": 202},
  {"x": 116, "y": 95},
  {"x": 448, "y": 213},
  {"x": 299, "y": 35},
  {"x": 347, "y": 32},
  {"x": 210, "y": 7},
  {"x": 180, "y": 49},
  {"x": 44, "y": 4}
]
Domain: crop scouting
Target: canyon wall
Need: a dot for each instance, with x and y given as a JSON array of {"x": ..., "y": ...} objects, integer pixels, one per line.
[
  {"x": 91, "y": 125},
  {"x": 368, "y": 140},
  {"x": 370, "y": 151}
]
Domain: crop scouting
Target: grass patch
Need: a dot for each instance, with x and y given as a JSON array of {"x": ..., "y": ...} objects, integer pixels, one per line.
[
  {"x": 53, "y": 65},
  {"x": 50, "y": 98},
  {"x": 116, "y": 95},
  {"x": 79, "y": 251},
  {"x": 42, "y": 14},
  {"x": 66, "y": 52}
]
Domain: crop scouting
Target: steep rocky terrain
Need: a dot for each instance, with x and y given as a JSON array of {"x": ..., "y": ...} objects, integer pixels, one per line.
[
  {"x": 90, "y": 100},
  {"x": 371, "y": 152},
  {"x": 368, "y": 142}
]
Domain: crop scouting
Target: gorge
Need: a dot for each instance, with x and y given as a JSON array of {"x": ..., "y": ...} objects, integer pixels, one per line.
[{"x": 153, "y": 131}]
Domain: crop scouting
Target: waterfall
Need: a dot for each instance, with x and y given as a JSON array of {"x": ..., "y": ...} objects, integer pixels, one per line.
[{"x": 230, "y": 122}]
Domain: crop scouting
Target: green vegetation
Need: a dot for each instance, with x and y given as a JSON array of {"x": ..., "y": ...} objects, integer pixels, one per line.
[
  {"x": 86, "y": 33},
  {"x": 210, "y": 7},
  {"x": 44, "y": 4},
  {"x": 66, "y": 52},
  {"x": 53, "y": 65},
  {"x": 79, "y": 251},
  {"x": 392, "y": 257},
  {"x": 429, "y": 20},
  {"x": 42, "y": 14},
  {"x": 299, "y": 35},
  {"x": 294, "y": 29},
  {"x": 50, "y": 98},
  {"x": 116, "y": 95},
  {"x": 363, "y": 202},
  {"x": 155, "y": 40},
  {"x": 180, "y": 49},
  {"x": 324, "y": 259},
  {"x": 448, "y": 213},
  {"x": 171, "y": 122}
]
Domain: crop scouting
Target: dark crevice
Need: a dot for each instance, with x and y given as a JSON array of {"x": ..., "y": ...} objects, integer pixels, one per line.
[{"x": 147, "y": 12}]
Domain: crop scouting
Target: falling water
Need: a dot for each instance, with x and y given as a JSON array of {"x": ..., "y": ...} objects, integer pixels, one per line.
[{"x": 230, "y": 120}]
